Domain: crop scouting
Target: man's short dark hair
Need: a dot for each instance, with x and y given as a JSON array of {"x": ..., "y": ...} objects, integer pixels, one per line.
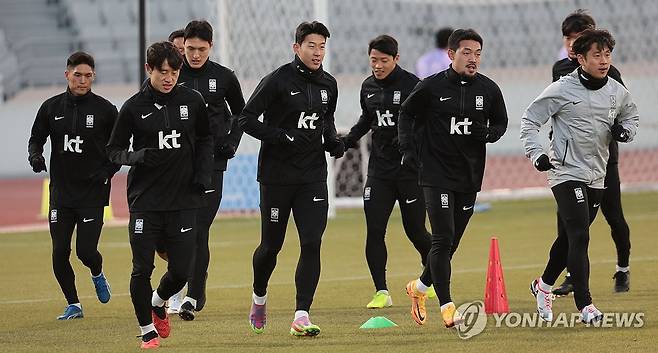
[
  {"x": 385, "y": 44},
  {"x": 577, "y": 22},
  {"x": 463, "y": 34},
  {"x": 306, "y": 28},
  {"x": 179, "y": 33},
  {"x": 602, "y": 38},
  {"x": 79, "y": 58},
  {"x": 160, "y": 52},
  {"x": 441, "y": 37},
  {"x": 199, "y": 29}
]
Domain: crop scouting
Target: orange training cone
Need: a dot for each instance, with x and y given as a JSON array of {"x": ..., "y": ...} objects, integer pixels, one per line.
[{"x": 495, "y": 297}]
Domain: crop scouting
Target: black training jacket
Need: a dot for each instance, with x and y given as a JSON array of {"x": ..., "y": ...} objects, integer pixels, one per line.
[
  {"x": 175, "y": 127},
  {"x": 566, "y": 66},
  {"x": 292, "y": 98},
  {"x": 380, "y": 106},
  {"x": 79, "y": 127},
  {"x": 443, "y": 107},
  {"x": 218, "y": 85}
]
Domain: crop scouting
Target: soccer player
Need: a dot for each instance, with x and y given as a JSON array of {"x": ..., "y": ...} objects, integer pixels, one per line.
[
  {"x": 382, "y": 93},
  {"x": 436, "y": 60},
  {"x": 79, "y": 124},
  {"x": 456, "y": 112},
  {"x": 572, "y": 27},
  {"x": 170, "y": 161},
  {"x": 297, "y": 101},
  {"x": 218, "y": 85},
  {"x": 587, "y": 110},
  {"x": 177, "y": 38}
]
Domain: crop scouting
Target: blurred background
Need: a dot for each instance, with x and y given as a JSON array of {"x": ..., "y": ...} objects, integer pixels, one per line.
[{"x": 522, "y": 39}]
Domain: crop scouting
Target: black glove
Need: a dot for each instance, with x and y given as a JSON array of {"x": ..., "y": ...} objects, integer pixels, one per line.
[
  {"x": 480, "y": 132},
  {"x": 395, "y": 142},
  {"x": 484, "y": 133},
  {"x": 543, "y": 164},
  {"x": 336, "y": 148},
  {"x": 295, "y": 139},
  {"x": 153, "y": 156},
  {"x": 348, "y": 142},
  {"x": 619, "y": 133},
  {"x": 100, "y": 177},
  {"x": 226, "y": 151},
  {"x": 38, "y": 163},
  {"x": 410, "y": 160}
]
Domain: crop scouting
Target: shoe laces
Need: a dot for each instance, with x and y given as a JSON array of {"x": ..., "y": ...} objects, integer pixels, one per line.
[{"x": 258, "y": 313}]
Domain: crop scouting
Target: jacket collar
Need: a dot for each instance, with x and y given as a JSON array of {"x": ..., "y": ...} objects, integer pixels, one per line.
[
  {"x": 196, "y": 72},
  {"x": 390, "y": 79},
  {"x": 461, "y": 80},
  {"x": 72, "y": 98},
  {"x": 590, "y": 82},
  {"x": 157, "y": 96},
  {"x": 304, "y": 71}
]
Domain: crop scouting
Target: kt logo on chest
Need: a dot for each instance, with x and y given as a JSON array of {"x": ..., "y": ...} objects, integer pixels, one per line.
[
  {"x": 169, "y": 141},
  {"x": 384, "y": 119},
  {"x": 307, "y": 121}
]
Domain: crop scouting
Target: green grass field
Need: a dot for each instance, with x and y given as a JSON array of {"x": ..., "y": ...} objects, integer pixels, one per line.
[{"x": 30, "y": 298}]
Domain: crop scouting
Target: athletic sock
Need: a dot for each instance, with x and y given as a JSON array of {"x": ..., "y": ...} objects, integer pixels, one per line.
[
  {"x": 446, "y": 305},
  {"x": 191, "y": 300},
  {"x": 156, "y": 300},
  {"x": 421, "y": 287},
  {"x": 383, "y": 291},
  {"x": 259, "y": 300},
  {"x": 148, "y": 332},
  {"x": 622, "y": 269},
  {"x": 300, "y": 313},
  {"x": 544, "y": 287},
  {"x": 77, "y": 304}
]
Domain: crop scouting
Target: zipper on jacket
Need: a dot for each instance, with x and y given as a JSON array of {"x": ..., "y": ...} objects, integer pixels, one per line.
[
  {"x": 166, "y": 116},
  {"x": 196, "y": 84},
  {"x": 566, "y": 150},
  {"x": 75, "y": 118},
  {"x": 461, "y": 101},
  {"x": 310, "y": 98}
]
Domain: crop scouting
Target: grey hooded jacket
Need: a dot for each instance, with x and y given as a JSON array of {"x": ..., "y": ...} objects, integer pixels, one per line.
[{"x": 581, "y": 120}]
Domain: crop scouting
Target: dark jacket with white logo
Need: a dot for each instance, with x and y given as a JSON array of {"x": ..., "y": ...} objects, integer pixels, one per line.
[
  {"x": 218, "y": 85},
  {"x": 292, "y": 98},
  {"x": 79, "y": 127},
  {"x": 380, "y": 107},
  {"x": 174, "y": 126},
  {"x": 443, "y": 107},
  {"x": 566, "y": 66}
]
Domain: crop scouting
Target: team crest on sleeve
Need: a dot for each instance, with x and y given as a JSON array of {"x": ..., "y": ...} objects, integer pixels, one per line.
[
  {"x": 139, "y": 226},
  {"x": 212, "y": 85},
  {"x": 444, "y": 201},
  {"x": 479, "y": 102},
  {"x": 183, "y": 112},
  {"x": 579, "y": 195},
  {"x": 396, "y": 97},
  {"x": 274, "y": 215},
  {"x": 90, "y": 121},
  {"x": 324, "y": 95},
  {"x": 53, "y": 216},
  {"x": 366, "y": 193}
]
